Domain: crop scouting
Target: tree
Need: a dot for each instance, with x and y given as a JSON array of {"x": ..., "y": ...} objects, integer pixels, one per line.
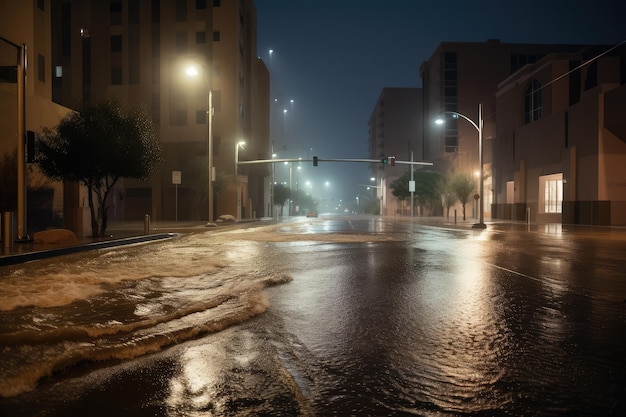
[
  {"x": 305, "y": 202},
  {"x": 98, "y": 145},
  {"x": 449, "y": 197},
  {"x": 428, "y": 187},
  {"x": 281, "y": 194},
  {"x": 462, "y": 185}
]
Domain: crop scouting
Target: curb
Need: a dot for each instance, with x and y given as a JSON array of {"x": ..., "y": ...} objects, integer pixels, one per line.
[{"x": 42, "y": 254}]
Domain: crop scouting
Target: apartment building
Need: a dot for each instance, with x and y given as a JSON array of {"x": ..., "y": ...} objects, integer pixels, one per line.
[
  {"x": 138, "y": 51},
  {"x": 559, "y": 153},
  {"x": 457, "y": 78},
  {"x": 395, "y": 130},
  {"x": 26, "y": 107}
]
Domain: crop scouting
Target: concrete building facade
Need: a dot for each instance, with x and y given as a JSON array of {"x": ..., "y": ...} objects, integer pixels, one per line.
[
  {"x": 137, "y": 51},
  {"x": 26, "y": 106},
  {"x": 559, "y": 153},
  {"x": 395, "y": 130},
  {"x": 458, "y": 77}
]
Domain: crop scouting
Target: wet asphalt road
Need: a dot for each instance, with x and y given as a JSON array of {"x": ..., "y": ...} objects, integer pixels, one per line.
[{"x": 421, "y": 320}]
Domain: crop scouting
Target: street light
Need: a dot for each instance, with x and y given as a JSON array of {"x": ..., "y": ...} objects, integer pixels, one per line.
[
  {"x": 479, "y": 128},
  {"x": 237, "y": 146},
  {"x": 192, "y": 71}
]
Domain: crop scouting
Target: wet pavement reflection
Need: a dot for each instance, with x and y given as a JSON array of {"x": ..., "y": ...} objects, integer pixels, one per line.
[{"x": 379, "y": 318}]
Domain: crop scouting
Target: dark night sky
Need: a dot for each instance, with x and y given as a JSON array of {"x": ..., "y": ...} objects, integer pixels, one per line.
[{"x": 333, "y": 58}]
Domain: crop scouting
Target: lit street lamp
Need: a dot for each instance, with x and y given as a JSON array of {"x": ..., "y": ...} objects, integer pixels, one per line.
[
  {"x": 192, "y": 71},
  {"x": 479, "y": 128},
  {"x": 237, "y": 146}
]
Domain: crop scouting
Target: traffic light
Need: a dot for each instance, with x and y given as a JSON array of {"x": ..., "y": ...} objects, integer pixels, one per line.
[
  {"x": 315, "y": 161},
  {"x": 392, "y": 161},
  {"x": 384, "y": 160}
]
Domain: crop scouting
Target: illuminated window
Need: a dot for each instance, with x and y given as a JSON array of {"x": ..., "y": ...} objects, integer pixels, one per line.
[{"x": 553, "y": 195}]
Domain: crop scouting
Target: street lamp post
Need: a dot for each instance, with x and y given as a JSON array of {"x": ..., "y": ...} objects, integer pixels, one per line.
[
  {"x": 192, "y": 71},
  {"x": 479, "y": 128},
  {"x": 237, "y": 146},
  {"x": 22, "y": 230},
  {"x": 297, "y": 189},
  {"x": 290, "y": 174},
  {"x": 273, "y": 183}
]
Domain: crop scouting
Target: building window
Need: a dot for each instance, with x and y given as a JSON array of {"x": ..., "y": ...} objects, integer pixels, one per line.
[
  {"x": 216, "y": 3},
  {"x": 450, "y": 101},
  {"x": 510, "y": 192},
  {"x": 552, "y": 193},
  {"x": 532, "y": 102},
  {"x": 134, "y": 55},
  {"x": 41, "y": 68},
  {"x": 40, "y": 4},
  {"x": 201, "y": 117},
  {"x": 116, "y": 12},
  {"x": 450, "y": 81},
  {"x": 200, "y": 37},
  {"x": 116, "y": 43},
  {"x": 156, "y": 11},
  {"x": 200, "y": 4},
  {"x": 216, "y": 36}
]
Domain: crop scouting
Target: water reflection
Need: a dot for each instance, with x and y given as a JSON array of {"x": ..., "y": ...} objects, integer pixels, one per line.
[
  {"x": 196, "y": 384},
  {"x": 466, "y": 337}
]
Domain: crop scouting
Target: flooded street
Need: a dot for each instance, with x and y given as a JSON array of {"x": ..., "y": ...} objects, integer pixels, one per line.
[{"x": 329, "y": 316}]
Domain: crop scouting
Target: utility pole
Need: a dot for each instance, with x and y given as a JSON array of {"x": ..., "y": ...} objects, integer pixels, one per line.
[{"x": 22, "y": 230}]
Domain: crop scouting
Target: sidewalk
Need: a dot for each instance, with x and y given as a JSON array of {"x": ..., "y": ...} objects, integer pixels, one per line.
[
  {"x": 499, "y": 225},
  {"x": 118, "y": 234}
]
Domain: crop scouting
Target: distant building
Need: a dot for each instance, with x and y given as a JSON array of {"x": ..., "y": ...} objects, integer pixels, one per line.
[
  {"x": 137, "y": 51},
  {"x": 26, "y": 25},
  {"x": 559, "y": 153},
  {"x": 457, "y": 78},
  {"x": 395, "y": 130}
]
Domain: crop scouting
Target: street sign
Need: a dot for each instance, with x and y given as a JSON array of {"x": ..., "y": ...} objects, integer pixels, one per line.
[{"x": 176, "y": 177}]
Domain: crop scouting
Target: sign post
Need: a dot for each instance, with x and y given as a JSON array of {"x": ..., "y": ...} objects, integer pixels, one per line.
[{"x": 176, "y": 180}]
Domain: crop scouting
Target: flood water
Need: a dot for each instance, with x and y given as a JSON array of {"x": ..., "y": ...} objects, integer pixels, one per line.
[{"x": 321, "y": 317}]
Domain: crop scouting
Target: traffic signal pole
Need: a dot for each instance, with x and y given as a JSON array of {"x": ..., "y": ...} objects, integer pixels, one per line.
[{"x": 316, "y": 159}]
